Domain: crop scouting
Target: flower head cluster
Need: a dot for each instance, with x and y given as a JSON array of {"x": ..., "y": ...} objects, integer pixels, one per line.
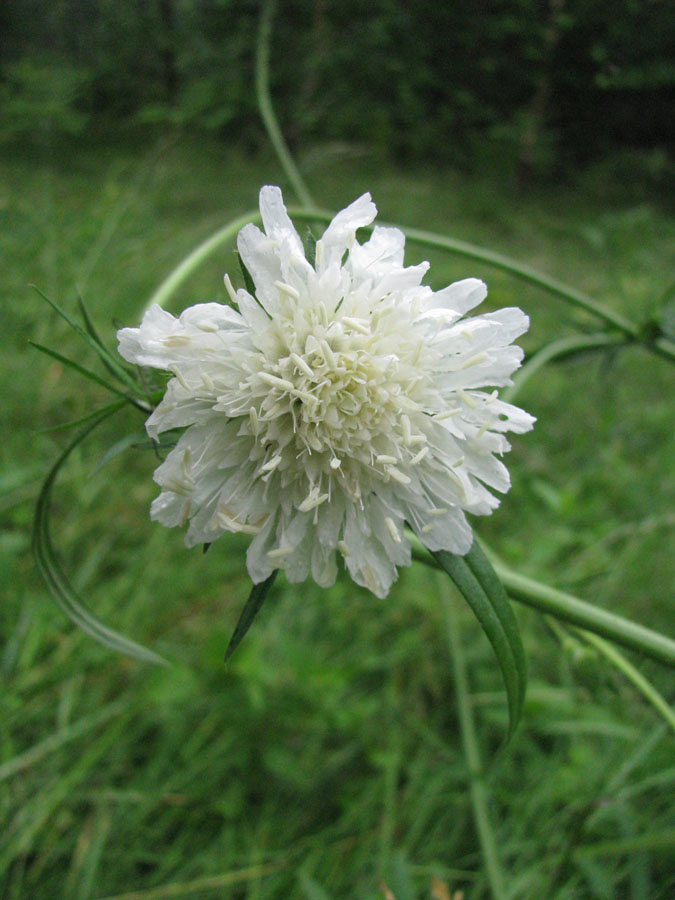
[{"x": 342, "y": 401}]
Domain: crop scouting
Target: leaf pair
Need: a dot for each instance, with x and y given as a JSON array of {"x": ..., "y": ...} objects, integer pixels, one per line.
[{"x": 480, "y": 586}]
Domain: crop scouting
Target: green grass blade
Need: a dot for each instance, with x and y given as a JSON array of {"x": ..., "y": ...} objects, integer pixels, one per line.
[
  {"x": 477, "y": 582},
  {"x": 109, "y": 407},
  {"x": 86, "y": 373},
  {"x": 477, "y": 786},
  {"x": 255, "y": 601},
  {"x": 57, "y": 582},
  {"x": 102, "y": 352},
  {"x": 637, "y": 679}
]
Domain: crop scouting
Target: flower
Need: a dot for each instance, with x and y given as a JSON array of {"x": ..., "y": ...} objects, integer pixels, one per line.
[{"x": 342, "y": 401}]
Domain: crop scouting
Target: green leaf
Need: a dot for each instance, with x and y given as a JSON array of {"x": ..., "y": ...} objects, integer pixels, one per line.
[
  {"x": 102, "y": 352},
  {"x": 310, "y": 247},
  {"x": 255, "y": 601},
  {"x": 478, "y": 583},
  {"x": 86, "y": 373},
  {"x": 53, "y": 575},
  {"x": 248, "y": 280}
]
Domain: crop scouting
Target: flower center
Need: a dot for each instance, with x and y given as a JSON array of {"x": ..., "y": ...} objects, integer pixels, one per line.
[{"x": 340, "y": 397}]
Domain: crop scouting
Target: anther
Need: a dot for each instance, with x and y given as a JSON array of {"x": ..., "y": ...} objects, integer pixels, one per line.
[
  {"x": 230, "y": 288},
  {"x": 419, "y": 456},
  {"x": 275, "y": 381},
  {"x": 397, "y": 475},
  {"x": 287, "y": 289},
  {"x": 393, "y": 530},
  {"x": 280, "y": 552},
  {"x": 272, "y": 464},
  {"x": 302, "y": 365}
]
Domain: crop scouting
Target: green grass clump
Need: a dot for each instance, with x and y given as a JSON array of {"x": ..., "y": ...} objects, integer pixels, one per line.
[{"x": 325, "y": 760}]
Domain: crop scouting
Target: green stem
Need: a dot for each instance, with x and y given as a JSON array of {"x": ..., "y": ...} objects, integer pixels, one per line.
[
  {"x": 636, "y": 678},
  {"x": 262, "y": 85},
  {"x": 570, "y": 609},
  {"x": 519, "y": 270},
  {"x": 564, "y": 347},
  {"x": 478, "y": 791},
  {"x": 200, "y": 254},
  {"x": 591, "y": 618},
  {"x": 191, "y": 262}
]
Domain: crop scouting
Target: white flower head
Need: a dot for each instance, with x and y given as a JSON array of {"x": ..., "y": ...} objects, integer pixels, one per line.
[{"x": 342, "y": 401}]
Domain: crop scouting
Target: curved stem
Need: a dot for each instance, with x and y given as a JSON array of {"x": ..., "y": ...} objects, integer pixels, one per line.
[
  {"x": 262, "y": 85},
  {"x": 478, "y": 791},
  {"x": 570, "y": 609},
  {"x": 637, "y": 679},
  {"x": 200, "y": 254},
  {"x": 498, "y": 261},
  {"x": 567, "y": 346},
  {"x": 194, "y": 259},
  {"x": 592, "y": 618}
]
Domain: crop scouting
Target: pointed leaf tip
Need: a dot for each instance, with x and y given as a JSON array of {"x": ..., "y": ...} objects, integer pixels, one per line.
[{"x": 251, "y": 609}]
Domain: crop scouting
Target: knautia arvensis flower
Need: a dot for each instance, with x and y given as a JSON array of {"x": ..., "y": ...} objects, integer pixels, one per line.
[{"x": 342, "y": 401}]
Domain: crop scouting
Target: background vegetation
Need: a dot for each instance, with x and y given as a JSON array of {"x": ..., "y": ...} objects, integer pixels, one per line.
[{"x": 325, "y": 760}]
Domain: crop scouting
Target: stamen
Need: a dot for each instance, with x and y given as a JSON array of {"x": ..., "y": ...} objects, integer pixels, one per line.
[
  {"x": 397, "y": 475},
  {"x": 474, "y": 360},
  {"x": 302, "y": 365},
  {"x": 448, "y": 413},
  {"x": 287, "y": 289},
  {"x": 393, "y": 530},
  {"x": 405, "y": 425},
  {"x": 235, "y": 525},
  {"x": 255, "y": 422},
  {"x": 360, "y": 325},
  {"x": 311, "y": 501},
  {"x": 466, "y": 398},
  {"x": 181, "y": 380},
  {"x": 335, "y": 463},
  {"x": 176, "y": 340},
  {"x": 272, "y": 464},
  {"x": 207, "y": 381},
  {"x": 383, "y": 458},
  {"x": 419, "y": 456},
  {"x": 371, "y": 581},
  {"x": 275, "y": 381},
  {"x": 438, "y": 510},
  {"x": 229, "y": 287},
  {"x": 427, "y": 528},
  {"x": 343, "y": 548},
  {"x": 329, "y": 356},
  {"x": 280, "y": 552}
]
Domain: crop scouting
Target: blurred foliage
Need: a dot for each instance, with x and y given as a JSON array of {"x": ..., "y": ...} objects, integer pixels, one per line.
[
  {"x": 546, "y": 83},
  {"x": 324, "y": 761}
]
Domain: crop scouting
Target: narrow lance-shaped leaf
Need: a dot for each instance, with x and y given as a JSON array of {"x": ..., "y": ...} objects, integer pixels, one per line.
[
  {"x": 57, "y": 582},
  {"x": 102, "y": 352},
  {"x": 481, "y": 588},
  {"x": 86, "y": 373},
  {"x": 255, "y": 601}
]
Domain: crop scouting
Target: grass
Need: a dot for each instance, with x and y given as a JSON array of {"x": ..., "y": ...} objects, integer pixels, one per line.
[{"x": 325, "y": 760}]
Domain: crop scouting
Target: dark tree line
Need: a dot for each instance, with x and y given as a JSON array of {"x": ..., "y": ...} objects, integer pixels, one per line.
[{"x": 549, "y": 81}]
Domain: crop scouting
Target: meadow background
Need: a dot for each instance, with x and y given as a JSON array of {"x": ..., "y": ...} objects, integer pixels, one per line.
[{"x": 325, "y": 760}]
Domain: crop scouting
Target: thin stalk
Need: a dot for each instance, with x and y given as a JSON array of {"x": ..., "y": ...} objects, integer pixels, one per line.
[
  {"x": 564, "y": 606},
  {"x": 200, "y": 254},
  {"x": 170, "y": 285},
  {"x": 262, "y": 86},
  {"x": 478, "y": 791},
  {"x": 637, "y": 679},
  {"x": 591, "y": 618},
  {"x": 564, "y": 347}
]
